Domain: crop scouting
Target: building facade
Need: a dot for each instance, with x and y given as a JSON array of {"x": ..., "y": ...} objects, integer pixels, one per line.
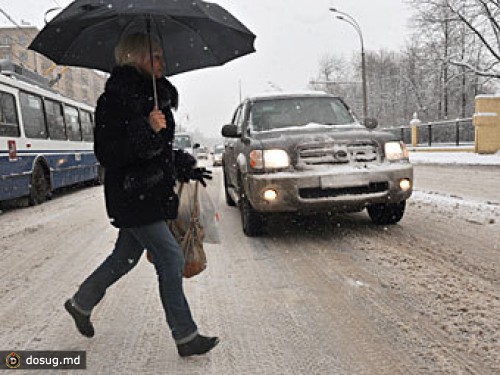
[{"x": 84, "y": 85}]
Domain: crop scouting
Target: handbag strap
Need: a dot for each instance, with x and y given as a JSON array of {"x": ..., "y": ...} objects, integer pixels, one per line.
[
  {"x": 196, "y": 210},
  {"x": 179, "y": 192},
  {"x": 195, "y": 214}
]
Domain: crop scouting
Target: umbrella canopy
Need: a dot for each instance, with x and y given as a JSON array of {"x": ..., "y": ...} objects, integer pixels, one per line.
[{"x": 193, "y": 34}]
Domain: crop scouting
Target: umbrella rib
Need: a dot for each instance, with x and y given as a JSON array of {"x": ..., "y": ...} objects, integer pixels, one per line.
[
  {"x": 235, "y": 28},
  {"x": 210, "y": 50},
  {"x": 184, "y": 25},
  {"x": 84, "y": 30},
  {"x": 197, "y": 33}
]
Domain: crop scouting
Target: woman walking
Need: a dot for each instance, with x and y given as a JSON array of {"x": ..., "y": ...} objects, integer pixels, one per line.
[{"x": 133, "y": 142}]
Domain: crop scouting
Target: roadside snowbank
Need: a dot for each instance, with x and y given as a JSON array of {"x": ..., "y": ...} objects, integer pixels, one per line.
[
  {"x": 474, "y": 212},
  {"x": 458, "y": 158}
]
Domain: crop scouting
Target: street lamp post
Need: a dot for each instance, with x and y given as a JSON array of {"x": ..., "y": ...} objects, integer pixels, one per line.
[{"x": 351, "y": 21}]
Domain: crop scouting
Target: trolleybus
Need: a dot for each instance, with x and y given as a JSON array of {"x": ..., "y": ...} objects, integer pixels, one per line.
[{"x": 46, "y": 139}]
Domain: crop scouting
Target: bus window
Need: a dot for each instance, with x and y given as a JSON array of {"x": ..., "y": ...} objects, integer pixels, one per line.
[
  {"x": 72, "y": 123},
  {"x": 33, "y": 118},
  {"x": 55, "y": 119},
  {"x": 87, "y": 128},
  {"x": 9, "y": 125}
]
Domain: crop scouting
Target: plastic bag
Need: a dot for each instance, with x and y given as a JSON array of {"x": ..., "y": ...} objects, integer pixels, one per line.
[
  {"x": 209, "y": 217},
  {"x": 188, "y": 230}
]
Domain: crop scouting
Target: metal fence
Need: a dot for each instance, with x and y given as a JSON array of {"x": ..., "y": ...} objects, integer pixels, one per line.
[{"x": 449, "y": 132}]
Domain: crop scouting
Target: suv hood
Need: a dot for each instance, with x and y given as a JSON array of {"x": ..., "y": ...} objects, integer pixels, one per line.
[{"x": 321, "y": 134}]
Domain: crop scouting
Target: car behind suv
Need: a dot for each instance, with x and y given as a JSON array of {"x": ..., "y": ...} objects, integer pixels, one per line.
[
  {"x": 184, "y": 141},
  {"x": 306, "y": 152},
  {"x": 218, "y": 154},
  {"x": 202, "y": 153}
]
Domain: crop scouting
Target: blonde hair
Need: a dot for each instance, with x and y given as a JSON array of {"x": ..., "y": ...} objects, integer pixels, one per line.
[{"x": 133, "y": 49}]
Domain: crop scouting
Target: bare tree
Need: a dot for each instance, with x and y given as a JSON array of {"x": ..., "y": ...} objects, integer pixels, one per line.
[
  {"x": 457, "y": 29},
  {"x": 337, "y": 78},
  {"x": 453, "y": 55},
  {"x": 480, "y": 18}
]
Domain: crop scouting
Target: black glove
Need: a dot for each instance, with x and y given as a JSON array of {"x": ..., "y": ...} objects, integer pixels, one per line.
[
  {"x": 200, "y": 174},
  {"x": 184, "y": 160},
  {"x": 184, "y": 163}
]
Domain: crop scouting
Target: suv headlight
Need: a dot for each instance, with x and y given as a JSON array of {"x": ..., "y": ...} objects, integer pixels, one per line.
[
  {"x": 396, "y": 151},
  {"x": 269, "y": 159}
]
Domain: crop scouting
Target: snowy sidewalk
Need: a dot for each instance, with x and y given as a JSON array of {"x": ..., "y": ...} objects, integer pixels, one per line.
[{"x": 459, "y": 158}]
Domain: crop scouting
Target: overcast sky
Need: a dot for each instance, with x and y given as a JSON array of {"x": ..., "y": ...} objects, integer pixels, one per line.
[{"x": 292, "y": 36}]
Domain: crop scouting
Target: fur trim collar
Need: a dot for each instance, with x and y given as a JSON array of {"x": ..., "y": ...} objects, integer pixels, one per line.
[{"x": 135, "y": 90}]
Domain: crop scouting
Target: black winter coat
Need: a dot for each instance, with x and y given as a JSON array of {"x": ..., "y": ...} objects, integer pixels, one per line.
[{"x": 140, "y": 165}]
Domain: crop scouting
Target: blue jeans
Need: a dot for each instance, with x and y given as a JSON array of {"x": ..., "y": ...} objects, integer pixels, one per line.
[{"x": 169, "y": 263}]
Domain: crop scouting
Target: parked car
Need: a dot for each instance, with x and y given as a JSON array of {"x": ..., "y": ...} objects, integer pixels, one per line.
[
  {"x": 306, "y": 152},
  {"x": 202, "y": 153},
  {"x": 217, "y": 155}
]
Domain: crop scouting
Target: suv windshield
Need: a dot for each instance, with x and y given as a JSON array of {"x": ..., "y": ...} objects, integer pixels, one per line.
[
  {"x": 182, "y": 141},
  {"x": 292, "y": 112}
]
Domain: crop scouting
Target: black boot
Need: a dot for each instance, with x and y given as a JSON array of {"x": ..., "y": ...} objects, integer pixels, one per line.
[
  {"x": 82, "y": 320},
  {"x": 199, "y": 345}
]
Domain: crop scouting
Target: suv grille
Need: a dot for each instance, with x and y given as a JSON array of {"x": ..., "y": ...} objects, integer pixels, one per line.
[
  {"x": 338, "y": 153},
  {"x": 315, "y": 193}
]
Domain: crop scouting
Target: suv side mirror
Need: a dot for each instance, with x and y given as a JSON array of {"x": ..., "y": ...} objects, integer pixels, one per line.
[
  {"x": 196, "y": 145},
  {"x": 230, "y": 131},
  {"x": 371, "y": 123}
]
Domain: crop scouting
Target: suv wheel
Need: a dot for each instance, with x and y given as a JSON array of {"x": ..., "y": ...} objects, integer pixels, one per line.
[
  {"x": 253, "y": 222},
  {"x": 229, "y": 200},
  {"x": 389, "y": 213}
]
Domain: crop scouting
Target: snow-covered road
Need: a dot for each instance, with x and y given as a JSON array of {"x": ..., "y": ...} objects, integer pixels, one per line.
[{"x": 316, "y": 295}]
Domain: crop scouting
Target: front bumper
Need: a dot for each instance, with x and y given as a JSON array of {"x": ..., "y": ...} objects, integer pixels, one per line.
[{"x": 342, "y": 189}]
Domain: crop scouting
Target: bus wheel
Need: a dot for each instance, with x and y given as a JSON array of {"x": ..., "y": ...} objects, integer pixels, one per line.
[{"x": 40, "y": 186}]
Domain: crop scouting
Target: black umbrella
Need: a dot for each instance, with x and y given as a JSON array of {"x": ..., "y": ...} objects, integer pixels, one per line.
[{"x": 193, "y": 34}]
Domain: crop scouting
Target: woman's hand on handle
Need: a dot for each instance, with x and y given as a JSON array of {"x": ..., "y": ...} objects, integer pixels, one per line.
[{"x": 157, "y": 120}]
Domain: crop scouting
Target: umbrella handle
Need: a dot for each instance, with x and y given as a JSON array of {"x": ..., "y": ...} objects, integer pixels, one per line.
[{"x": 151, "y": 59}]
